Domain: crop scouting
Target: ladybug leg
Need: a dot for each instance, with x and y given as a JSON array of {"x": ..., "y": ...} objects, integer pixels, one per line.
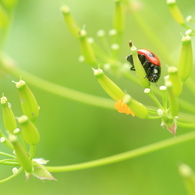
[
  {"x": 145, "y": 64},
  {"x": 142, "y": 58},
  {"x": 146, "y": 77},
  {"x": 147, "y": 68},
  {"x": 150, "y": 72},
  {"x": 132, "y": 68},
  {"x": 130, "y": 60}
]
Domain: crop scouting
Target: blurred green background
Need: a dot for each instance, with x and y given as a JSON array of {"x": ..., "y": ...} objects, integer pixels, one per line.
[{"x": 72, "y": 132}]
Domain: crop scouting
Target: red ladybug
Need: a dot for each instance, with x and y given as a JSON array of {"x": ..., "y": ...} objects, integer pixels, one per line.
[{"x": 150, "y": 62}]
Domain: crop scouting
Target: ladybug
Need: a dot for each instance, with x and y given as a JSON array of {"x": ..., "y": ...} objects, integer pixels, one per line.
[{"x": 150, "y": 62}]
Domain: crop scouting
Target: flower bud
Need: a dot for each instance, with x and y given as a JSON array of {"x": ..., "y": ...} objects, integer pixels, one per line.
[
  {"x": 163, "y": 90},
  {"x": 175, "y": 12},
  {"x": 185, "y": 170},
  {"x": 14, "y": 171},
  {"x": 29, "y": 131},
  {"x": 189, "y": 19},
  {"x": 119, "y": 16},
  {"x": 112, "y": 32},
  {"x": 5, "y": 140},
  {"x": 175, "y": 80},
  {"x": 28, "y": 102},
  {"x": 173, "y": 101},
  {"x": 70, "y": 22},
  {"x": 21, "y": 154},
  {"x": 2, "y": 139},
  {"x": 137, "y": 108},
  {"x": 115, "y": 50},
  {"x": 109, "y": 86},
  {"x": 86, "y": 48},
  {"x": 185, "y": 61},
  {"x": 141, "y": 73},
  {"x": 8, "y": 116},
  {"x": 169, "y": 122},
  {"x": 188, "y": 32},
  {"x": 101, "y": 33},
  {"x": 160, "y": 112}
]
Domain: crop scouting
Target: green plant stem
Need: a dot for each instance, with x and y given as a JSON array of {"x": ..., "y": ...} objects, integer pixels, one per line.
[
  {"x": 73, "y": 94},
  {"x": 187, "y": 27},
  {"x": 7, "y": 142},
  {"x": 164, "y": 98},
  {"x": 183, "y": 103},
  {"x": 12, "y": 176},
  {"x": 149, "y": 32},
  {"x": 22, "y": 141},
  {"x": 190, "y": 84},
  {"x": 187, "y": 106},
  {"x": 130, "y": 76},
  {"x": 154, "y": 117},
  {"x": 152, "y": 111},
  {"x": 186, "y": 125},
  {"x": 100, "y": 53},
  {"x": 125, "y": 155},
  {"x": 32, "y": 151},
  {"x": 59, "y": 90},
  {"x": 8, "y": 155},
  {"x": 153, "y": 97},
  {"x": 106, "y": 45},
  {"x": 9, "y": 162},
  {"x": 76, "y": 95}
]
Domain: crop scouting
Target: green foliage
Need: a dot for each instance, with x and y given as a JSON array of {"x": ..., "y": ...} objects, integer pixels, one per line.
[{"x": 169, "y": 106}]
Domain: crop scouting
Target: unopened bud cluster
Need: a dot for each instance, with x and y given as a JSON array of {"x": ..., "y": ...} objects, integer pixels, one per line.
[
  {"x": 147, "y": 67},
  {"x": 24, "y": 124},
  {"x": 108, "y": 50}
]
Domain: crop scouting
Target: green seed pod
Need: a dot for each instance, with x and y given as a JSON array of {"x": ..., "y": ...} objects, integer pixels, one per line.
[
  {"x": 119, "y": 16},
  {"x": 175, "y": 80},
  {"x": 21, "y": 154},
  {"x": 173, "y": 101},
  {"x": 29, "y": 130},
  {"x": 141, "y": 73},
  {"x": 70, "y": 22},
  {"x": 188, "y": 177},
  {"x": 109, "y": 86},
  {"x": 175, "y": 12},
  {"x": 8, "y": 116},
  {"x": 28, "y": 102},
  {"x": 186, "y": 59},
  {"x": 86, "y": 48},
  {"x": 138, "y": 109}
]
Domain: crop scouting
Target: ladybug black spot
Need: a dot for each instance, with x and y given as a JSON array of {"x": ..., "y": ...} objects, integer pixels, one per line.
[{"x": 151, "y": 55}]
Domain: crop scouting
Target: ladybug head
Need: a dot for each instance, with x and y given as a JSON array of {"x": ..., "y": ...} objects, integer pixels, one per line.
[{"x": 154, "y": 73}]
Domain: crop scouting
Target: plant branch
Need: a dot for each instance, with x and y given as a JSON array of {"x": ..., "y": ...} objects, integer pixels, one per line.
[
  {"x": 126, "y": 155},
  {"x": 57, "y": 89},
  {"x": 12, "y": 176}
]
